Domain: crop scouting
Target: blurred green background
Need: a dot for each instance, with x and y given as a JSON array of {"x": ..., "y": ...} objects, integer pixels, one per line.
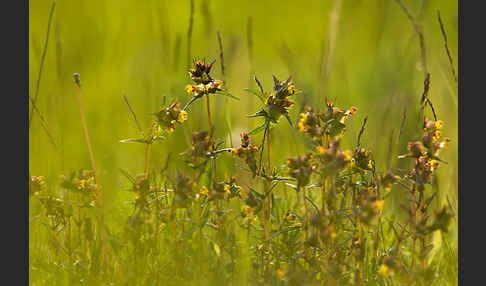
[{"x": 363, "y": 53}]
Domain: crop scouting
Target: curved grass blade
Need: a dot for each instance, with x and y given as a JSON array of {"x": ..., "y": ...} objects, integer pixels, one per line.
[
  {"x": 259, "y": 129},
  {"x": 256, "y": 93}
]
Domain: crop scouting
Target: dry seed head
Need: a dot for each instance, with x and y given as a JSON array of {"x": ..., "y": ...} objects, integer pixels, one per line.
[{"x": 77, "y": 79}]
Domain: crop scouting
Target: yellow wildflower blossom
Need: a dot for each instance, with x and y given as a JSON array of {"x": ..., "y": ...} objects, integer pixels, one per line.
[
  {"x": 81, "y": 184},
  {"x": 384, "y": 270},
  {"x": 246, "y": 209},
  {"x": 443, "y": 143},
  {"x": 439, "y": 124},
  {"x": 204, "y": 191},
  {"x": 436, "y": 135},
  {"x": 347, "y": 155},
  {"x": 227, "y": 189},
  {"x": 378, "y": 205},
  {"x": 190, "y": 88},
  {"x": 370, "y": 164},
  {"x": 301, "y": 126},
  {"x": 182, "y": 116}
]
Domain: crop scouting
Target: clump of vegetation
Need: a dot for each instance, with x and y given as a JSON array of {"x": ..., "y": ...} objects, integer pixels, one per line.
[{"x": 195, "y": 228}]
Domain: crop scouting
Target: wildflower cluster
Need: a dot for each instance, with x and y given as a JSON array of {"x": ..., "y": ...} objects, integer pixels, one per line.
[
  {"x": 279, "y": 103},
  {"x": 37, "y": 185},
  {"x": 425, "y": 152},
  {"x": 199, "y": 150},
  {"x": 226, "y": 189},
  {"x": 204, "y": 83},
  {"x": 363, "y": 158},
  {"x": 82, "y": 181},
  {"x": 370, "y": 206},
  {"x": 248, "y": 215},
  {"x": 334, "y": 118},
  {"x": 166, "y": 118},
  {"x": 310, "y": 123},
  {"x": 333, "y": 159},
  {"x": 231, "y": 189},
  {"x": 333, "y": 230},
  {"x": 330, "y": 122},
  {"x": 248, "y": 152},
  {"x": 301, "y": 168},
  {"x": 54, "y": 209}
]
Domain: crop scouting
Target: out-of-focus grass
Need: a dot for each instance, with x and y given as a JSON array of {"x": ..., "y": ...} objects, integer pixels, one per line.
[
  {"x": 139, "y": 48},
  {"x": 130, "y": 46}
]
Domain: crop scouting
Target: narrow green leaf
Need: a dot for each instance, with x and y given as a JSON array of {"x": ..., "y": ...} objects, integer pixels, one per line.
[
  {"x": 206, "y": 176},
  {"x": 259, "y": 113},
  {"x": 289, "y": 120},
  {"x": 228, "y": 95},
  {"x": 127, "y": 175},
  {"x": 256, "y": 93},
  {"x": 258, "y": 129}
]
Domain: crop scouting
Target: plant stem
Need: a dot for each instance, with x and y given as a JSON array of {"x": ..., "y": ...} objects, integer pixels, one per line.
[
  {"x": 93, "y": 165},
  {"x": 269, "y": 200},
  {"x": 43, "y": 57},
  {"x": 147, "y": 150},
  {"x": 211, "y": 133},
  {"x": 306, "y": 221}
]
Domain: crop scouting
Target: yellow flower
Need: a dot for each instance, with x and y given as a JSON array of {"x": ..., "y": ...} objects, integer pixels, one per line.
[
  {"x": 378, "y": 205},
  {"x": 182, "y": 116},
  {"x": 291, "y": 89},
  {"x": 370, "y": 164},
  {"x": 190, "y": 88},
  {"x": 246, "y": 209},
  {"x": 384, "y": 270},
  {"x": 81, "y": 184},
  {"x": 347, "y": 155},
  {"x": 281, "y": 273},
  {"x": 351, "y": 111},
  {"x": 301, "y": 126},
  {"x": 320, "y": 150},
  {"x": 204, "y": 191},
  {"x": 443, "y": 144},
  {"x": 234, "y": 151},
  {"x": 303, "y": 119},
  {"x": 433, "y": 165},
  {"x": 201, "y": 87},
  {"x": 388, "y": 188},
  {"x": 217, "y": 84},
  {"x": 436, "y": 135},
  {"x": 439, "y": 124},
  {"x": 332, "y": 231},
  {"x": 227, "y": 189}
]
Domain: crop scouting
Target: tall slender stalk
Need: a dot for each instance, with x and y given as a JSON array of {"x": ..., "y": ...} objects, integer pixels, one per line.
[
  {"x": 446, "y": 46},
  {"x": 147, "y": 149},
  {"x": 93, "y": 165},
  {"x": 306, "y": 223},
  {"x": 43, "y": 57},
  {"x": 269, "y": 198},
  {"x": 211, "y": 133}
]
